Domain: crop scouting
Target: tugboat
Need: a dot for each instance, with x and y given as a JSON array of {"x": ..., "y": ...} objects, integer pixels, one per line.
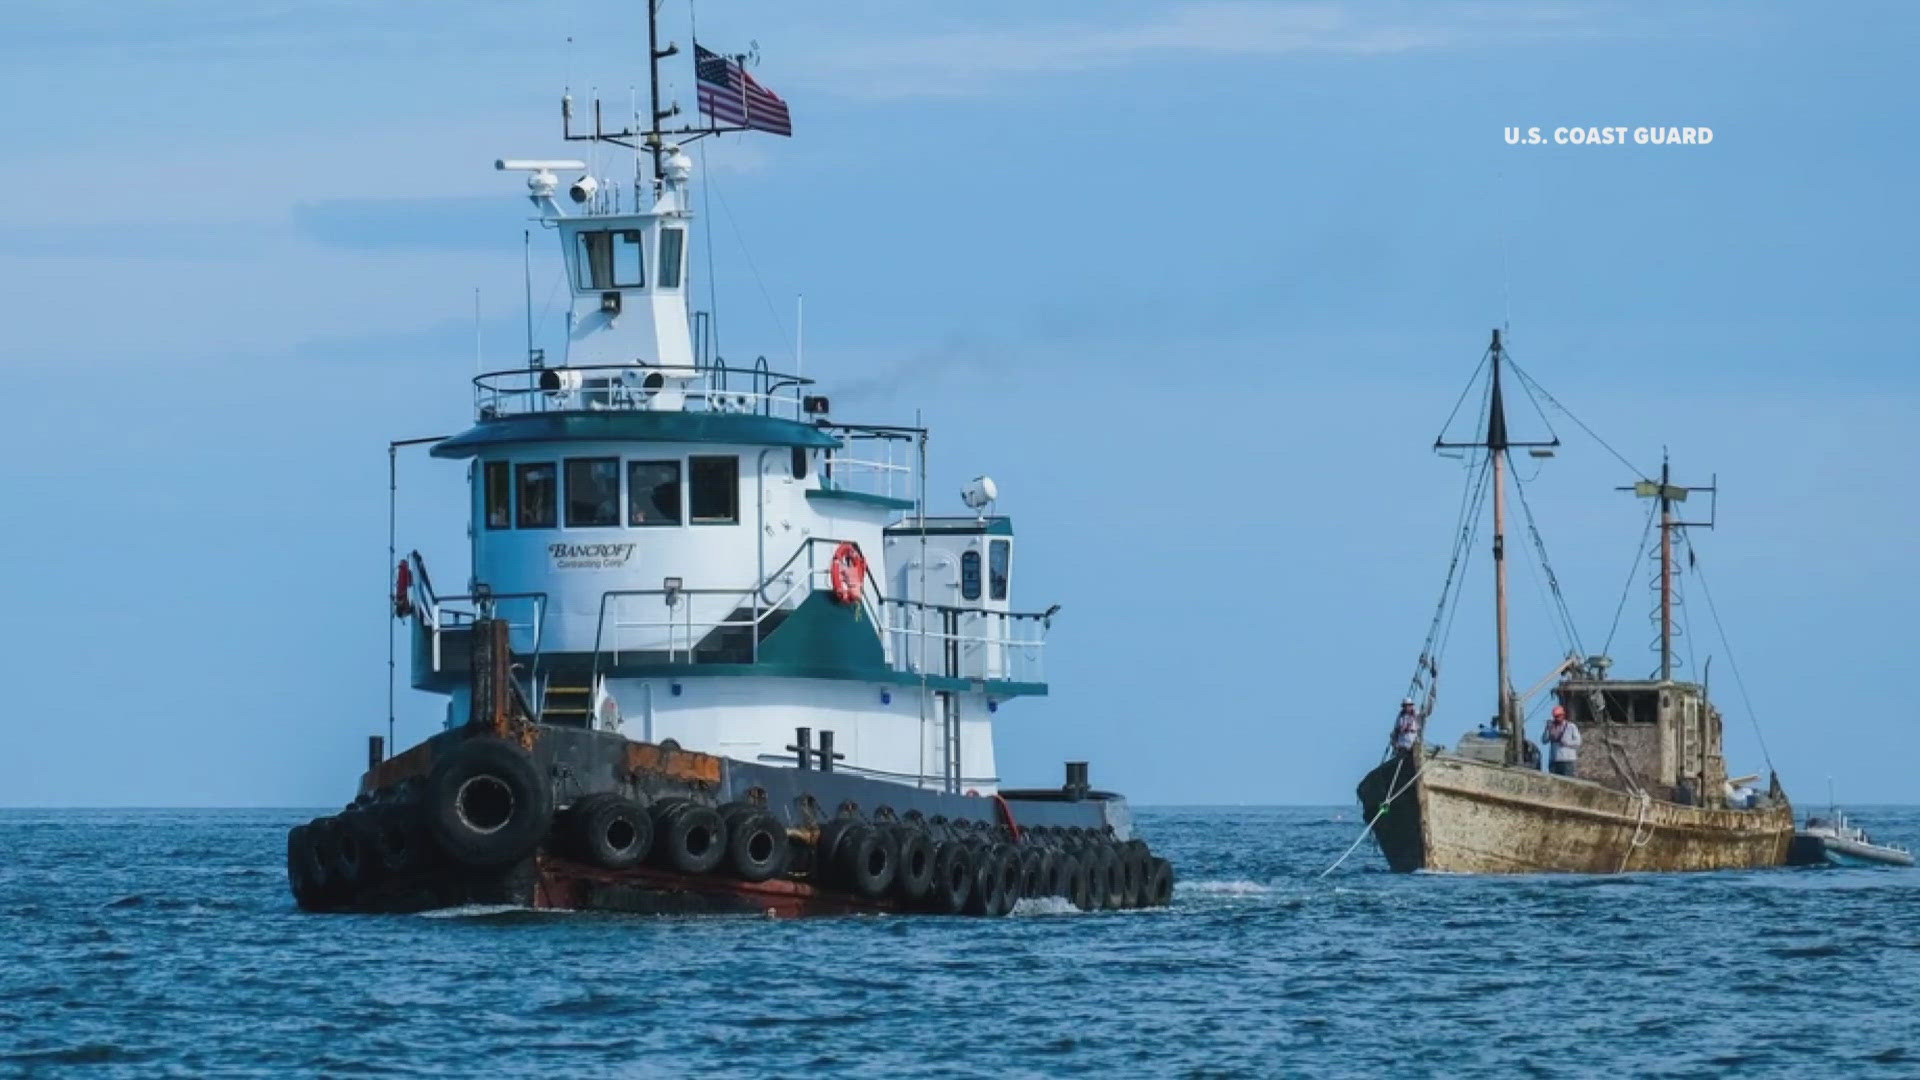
[
  {"x": 715, "y": 655},
  {"x": 1655, "y": 796}
]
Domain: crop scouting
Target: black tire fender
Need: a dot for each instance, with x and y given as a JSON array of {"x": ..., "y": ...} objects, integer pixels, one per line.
[
  {"x": 399, "y": 839},
  {"x": 865, "y": 861},
  {"x": 757, "y": 847},
  {"x": 1078, "y": 892},
  {"x": 1106, "y": 884},
  {"x": 953, "y": 877},
  {"x": 486, "y": 803},
  {"x": 988, "y": 895},
  {"x": 1118, "y": 884},
  {"x": 1033, "y": 872},
  {"x": 1160, "y": 884},
  {"x": 914, "y": 876},
  {"x": 689, "y": 837},
  {"x": 611, "y": 831},
  {"x": 1059, "y": 877},
  {"x": 306, "y": 874},
  {"x": 1139, "y": 868},
  {"x": 356, "y": 863}
]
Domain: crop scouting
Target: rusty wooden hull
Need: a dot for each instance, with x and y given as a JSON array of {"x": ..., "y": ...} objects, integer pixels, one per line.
[{"x": 1471, "y": 817}]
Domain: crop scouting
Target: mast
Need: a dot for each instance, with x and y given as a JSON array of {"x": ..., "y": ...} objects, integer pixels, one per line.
[
  {"x": 1670, "y": 494},
  {"x": 654, "y": 56},
  {"x": 1496, "y": 445},
  {"x": 1666, "y": 571},
  {"x": 654, "y": 138}
]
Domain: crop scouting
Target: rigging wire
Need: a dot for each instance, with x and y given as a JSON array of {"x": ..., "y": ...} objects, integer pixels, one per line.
[
  {"x": 772, "y": 312},
  {"x": 1532, "y": 387},
  {"x": 1633, "y": 571},
  {"x": 713, "y": 280},
  {"x": 1472, "y": 543},
  {"x": 1740, "y": 683},
  {"x": 1472, "y": 381},
  {"x": 1571, "y": 635},
  {"x": 1440, "y": 628}
]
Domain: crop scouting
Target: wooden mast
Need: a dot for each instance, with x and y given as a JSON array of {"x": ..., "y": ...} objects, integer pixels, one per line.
[
  {"x": 1496, "y": 445},
  {"x": 1666, "y": 571}
]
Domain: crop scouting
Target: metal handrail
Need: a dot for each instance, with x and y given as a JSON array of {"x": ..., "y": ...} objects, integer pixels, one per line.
[
  {"x": 885, "y": 614},
  {"x": 760, "y": 615},
  {"x": 431, "y": 616},
  {"x": 623, "y": 388}
]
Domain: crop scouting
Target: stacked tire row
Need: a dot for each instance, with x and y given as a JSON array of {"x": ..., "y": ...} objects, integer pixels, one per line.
[
  {"x": 486, "y": 807},
  {"x": 974, "y": 869}
]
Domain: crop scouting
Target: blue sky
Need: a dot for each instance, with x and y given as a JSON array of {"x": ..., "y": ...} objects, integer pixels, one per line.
[{"x": 1196, "y": 282}]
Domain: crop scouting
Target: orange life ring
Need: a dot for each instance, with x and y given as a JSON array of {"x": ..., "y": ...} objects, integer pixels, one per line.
[{"x": 848, "y": 571}]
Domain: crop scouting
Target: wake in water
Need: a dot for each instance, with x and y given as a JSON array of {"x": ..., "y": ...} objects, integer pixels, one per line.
[{"x": 1234, "y": 887}]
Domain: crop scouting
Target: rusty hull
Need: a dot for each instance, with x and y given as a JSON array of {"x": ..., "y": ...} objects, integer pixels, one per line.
[{"x": 1471, "y": 817}]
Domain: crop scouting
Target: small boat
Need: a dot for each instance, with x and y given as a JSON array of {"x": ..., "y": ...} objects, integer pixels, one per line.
[
  {"x": 1834, "y": 840},
  {"x": 1651, "y": 794}
]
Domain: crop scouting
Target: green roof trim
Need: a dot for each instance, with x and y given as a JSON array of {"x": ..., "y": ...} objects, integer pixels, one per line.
[
  {"x": 997, "y": 688},
  {"x": 994, "y": 526},
  {"x": 639, "y": 426},
  {"x": 885, "y": 502}
]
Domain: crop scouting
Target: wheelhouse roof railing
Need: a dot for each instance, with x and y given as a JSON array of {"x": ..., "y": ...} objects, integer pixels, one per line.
[{"x": 640, "y": 388}]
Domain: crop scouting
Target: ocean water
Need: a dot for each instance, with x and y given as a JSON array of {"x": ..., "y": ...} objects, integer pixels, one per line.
[{"x": 163, "y": 943}]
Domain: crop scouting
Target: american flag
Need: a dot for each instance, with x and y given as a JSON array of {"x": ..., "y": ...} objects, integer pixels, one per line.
[{"x": 730, "y": 96}]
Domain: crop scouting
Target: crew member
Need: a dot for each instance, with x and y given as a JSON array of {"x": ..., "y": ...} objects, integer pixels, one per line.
[
  {"x": 1563, "y": 743},
  {"x": 1406, "y": 727}
]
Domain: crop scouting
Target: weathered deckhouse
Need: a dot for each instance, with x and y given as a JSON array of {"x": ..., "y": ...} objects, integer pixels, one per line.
[
  {"x": 699, "y": 553},
  {"x": 1659, "y": 737}
]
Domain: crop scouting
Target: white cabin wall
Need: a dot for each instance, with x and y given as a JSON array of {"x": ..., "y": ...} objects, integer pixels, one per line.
[
  {"x": 878, "y": 726},
  {"x": 775, "y": 519}
]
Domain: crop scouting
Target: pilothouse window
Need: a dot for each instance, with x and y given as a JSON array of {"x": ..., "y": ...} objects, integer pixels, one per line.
[
  {"x": 998, "y": 554},
  {"x": 671, "y": 243},
  {"x": 498, "y": 495},
  {"x": 610, "y": 259},
  {"x": 969, "y": 575},
  {"x": 535, "y": 483},
  {"x": 593, "y": 492},
  {"x": 715, "y": 494},
  {"x": 653, "y": 493}
]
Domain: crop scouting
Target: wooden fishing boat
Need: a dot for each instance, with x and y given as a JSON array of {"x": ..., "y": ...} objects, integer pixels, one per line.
[{"x": 1650, "y": 792}]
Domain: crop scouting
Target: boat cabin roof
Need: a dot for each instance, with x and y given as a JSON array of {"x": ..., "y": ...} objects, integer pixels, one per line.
[{"x": 1630, "y": 686}]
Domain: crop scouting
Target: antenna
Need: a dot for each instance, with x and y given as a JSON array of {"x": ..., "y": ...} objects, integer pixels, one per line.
[
  {"x": 477, "y": 365},
  {"x": 799, "y": 332},
  {"x": 652, "y": 138},
  {"x": 526, "y": 281}
]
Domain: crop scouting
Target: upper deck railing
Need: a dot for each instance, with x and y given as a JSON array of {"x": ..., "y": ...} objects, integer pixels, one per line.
[{"x": 640, "y": 388}]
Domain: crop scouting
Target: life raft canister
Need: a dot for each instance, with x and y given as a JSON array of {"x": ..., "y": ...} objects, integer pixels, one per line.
[
  {"x": 848, "y": 571},
  {"x": 403, "y": 591}
]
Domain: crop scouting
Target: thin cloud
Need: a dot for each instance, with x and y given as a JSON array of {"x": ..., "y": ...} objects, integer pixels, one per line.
[{"x": 972, "y": 61}]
